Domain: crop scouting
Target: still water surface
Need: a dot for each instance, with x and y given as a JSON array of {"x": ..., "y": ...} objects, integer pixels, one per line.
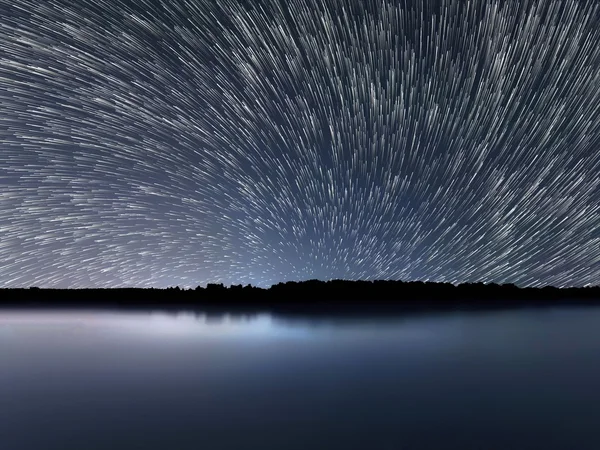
[{"x": 521, "y": 379}]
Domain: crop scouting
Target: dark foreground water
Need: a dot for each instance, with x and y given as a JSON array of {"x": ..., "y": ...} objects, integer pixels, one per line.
[{"x": 524, "y": 379}]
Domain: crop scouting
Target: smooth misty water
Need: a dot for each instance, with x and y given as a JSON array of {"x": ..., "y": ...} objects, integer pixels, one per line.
[{"x": 525, "y": 379}]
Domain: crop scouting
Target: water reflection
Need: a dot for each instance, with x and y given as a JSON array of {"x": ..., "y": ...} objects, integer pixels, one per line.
[{"x": 155, "y": 380}]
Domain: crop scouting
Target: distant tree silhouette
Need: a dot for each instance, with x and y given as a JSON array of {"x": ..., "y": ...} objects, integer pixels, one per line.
[{"x": 338, "y": 295}]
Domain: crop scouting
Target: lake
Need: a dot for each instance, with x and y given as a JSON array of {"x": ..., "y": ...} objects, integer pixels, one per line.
[{"x": 516, "y": 379}]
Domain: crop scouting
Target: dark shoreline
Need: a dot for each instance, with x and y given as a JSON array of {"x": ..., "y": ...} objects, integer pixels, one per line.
[{"x": 307, "y": 298}]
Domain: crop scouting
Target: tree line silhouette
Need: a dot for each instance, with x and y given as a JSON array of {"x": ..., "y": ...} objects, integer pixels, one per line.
[{"x": 334, "y": 295}]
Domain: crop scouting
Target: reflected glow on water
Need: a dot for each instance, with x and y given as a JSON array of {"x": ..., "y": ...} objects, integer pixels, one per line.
[
  {"x": 154, "y": 324},
  {"x": 125, "y": 380}
]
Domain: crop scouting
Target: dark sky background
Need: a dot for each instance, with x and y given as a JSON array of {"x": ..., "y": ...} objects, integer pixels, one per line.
[{"x": 180, "y": 142}]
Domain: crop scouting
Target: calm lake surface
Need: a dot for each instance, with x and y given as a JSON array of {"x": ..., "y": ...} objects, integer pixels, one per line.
[{"x": 520, "y": 379}]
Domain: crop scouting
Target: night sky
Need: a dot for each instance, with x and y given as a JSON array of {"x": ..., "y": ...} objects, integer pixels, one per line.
[{"x": 180, "y": 142}]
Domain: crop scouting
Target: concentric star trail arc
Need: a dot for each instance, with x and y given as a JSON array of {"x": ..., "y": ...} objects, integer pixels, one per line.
[{"x": 180, "y": 142}]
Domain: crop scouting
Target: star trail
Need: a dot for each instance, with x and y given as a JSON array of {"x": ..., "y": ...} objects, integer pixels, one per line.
[{"x": 179, "y": 142}]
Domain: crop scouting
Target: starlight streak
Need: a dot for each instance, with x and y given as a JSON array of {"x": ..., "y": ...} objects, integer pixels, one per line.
[{"x": 179, "y": 142}]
